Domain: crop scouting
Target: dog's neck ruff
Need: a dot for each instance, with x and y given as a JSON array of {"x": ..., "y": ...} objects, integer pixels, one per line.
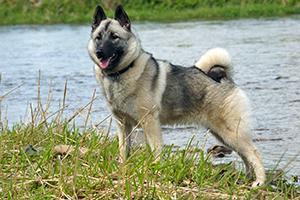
[{"x": 116, "y": 75}]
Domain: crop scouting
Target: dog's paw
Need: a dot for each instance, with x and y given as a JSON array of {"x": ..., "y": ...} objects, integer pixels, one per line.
[
  {"x": 121, "y": 160},
  {"x": 257, "y": 183}
]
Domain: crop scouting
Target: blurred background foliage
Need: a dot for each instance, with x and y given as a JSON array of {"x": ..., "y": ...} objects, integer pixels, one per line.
[{"x": 80, "y": 11}]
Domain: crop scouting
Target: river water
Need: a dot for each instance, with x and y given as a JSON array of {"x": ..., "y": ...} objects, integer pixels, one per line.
[{"x": 265, "y": 53}]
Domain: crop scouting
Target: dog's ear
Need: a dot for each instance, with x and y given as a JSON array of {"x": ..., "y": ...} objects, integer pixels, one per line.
[
  {"x": 122, "y": 17},
  {"x": 99, "y": 15}
]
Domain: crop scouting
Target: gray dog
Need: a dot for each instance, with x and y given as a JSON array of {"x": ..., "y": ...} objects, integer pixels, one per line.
[{"x": 145, "y": 92}]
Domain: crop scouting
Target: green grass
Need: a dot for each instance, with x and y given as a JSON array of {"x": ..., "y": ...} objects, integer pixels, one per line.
[
  {"x": 78, "y": 11},
  {"x": 185, "y": 174}
]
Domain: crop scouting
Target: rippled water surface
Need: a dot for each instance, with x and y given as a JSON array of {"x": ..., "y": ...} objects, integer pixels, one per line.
[{"x": 266, "y": 56}]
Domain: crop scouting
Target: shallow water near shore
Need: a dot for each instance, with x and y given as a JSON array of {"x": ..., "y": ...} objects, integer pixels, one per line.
[{"x": 265, "y": 54}]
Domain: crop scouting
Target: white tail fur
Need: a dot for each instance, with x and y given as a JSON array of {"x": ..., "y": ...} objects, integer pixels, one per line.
[{"x": 215, "y": 56}]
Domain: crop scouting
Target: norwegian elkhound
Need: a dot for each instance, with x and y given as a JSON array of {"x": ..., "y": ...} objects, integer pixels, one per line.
[{"x": 145, "y": 92}]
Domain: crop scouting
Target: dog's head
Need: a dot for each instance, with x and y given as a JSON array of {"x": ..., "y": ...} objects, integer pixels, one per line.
[{"x": 112, "y": 45}]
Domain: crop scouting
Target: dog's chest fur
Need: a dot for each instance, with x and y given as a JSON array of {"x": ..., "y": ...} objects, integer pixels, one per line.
[
  {"x": 117, "y": 98},
  {"x": 124, "y": 95}
]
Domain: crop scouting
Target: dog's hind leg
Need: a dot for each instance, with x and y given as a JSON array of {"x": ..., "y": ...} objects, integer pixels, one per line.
[
  {"x": 247, "y": 151},
  {"x": 231, "y": 127}
]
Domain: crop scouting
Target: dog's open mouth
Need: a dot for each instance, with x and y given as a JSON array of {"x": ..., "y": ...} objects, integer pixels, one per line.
[{"x": 104, "y": 62}]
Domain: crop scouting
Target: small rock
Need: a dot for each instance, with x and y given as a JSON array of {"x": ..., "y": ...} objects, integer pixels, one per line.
[
  {"x": 30, "y": 150},
  {"x": 68, "y": 149},
  {"x": 219, "y": 151}
]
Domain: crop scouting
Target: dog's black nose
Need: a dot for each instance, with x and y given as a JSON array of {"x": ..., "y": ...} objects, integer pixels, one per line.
[{"x": 99, "y": 54}]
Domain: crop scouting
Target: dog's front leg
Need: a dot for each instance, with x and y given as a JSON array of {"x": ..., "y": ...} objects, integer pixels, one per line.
[
  {"x": 124, "y": 131},
  {"x": 152, "y": 131}
]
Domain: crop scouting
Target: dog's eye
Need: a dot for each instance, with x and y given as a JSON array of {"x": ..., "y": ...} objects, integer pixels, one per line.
[{"x": 114, "y": 36}]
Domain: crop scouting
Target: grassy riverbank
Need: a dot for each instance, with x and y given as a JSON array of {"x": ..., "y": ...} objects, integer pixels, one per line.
[
  {"x": 32, "y": 166},
  {"x": 78, "y": 11}
]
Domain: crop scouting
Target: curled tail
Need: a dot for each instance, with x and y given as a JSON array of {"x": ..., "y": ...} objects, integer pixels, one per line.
[{"x": 216, "y": 63}]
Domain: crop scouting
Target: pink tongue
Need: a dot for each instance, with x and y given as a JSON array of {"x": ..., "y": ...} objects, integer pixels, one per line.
[{"x": 104, "y": 63}]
